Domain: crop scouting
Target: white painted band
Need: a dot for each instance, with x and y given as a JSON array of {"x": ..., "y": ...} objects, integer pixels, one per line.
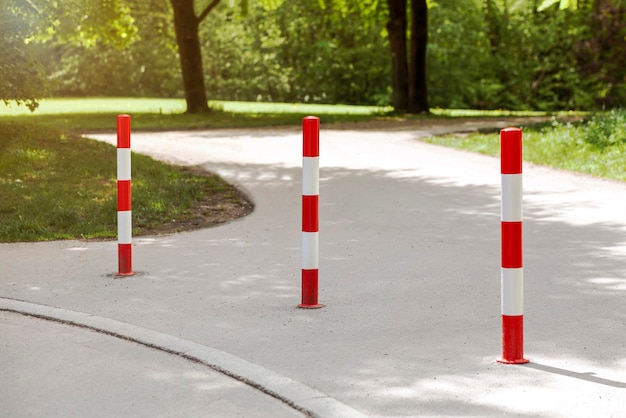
[
  {"x": 310, "y": 176},
  {"x": 511, "y": 198},
  {"x": 512, "y": 291},
  {"x": 123, "y": 163},
  {"x": 310, "y": 250},
  {"x": 124, "y": 227}
]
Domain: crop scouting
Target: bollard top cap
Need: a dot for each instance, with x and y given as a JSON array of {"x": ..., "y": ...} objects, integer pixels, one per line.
[
  {"x": 511, "y": 151},
  {"x": 123, "y": 131},
  {"x": 311, "y": 136}
]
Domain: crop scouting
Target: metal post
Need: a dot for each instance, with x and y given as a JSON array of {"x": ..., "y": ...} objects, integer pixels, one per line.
[
  {"x": 124, "y": 212},
  {"x": 512, "y": 276},
  {"x": 310, "y": 212}
]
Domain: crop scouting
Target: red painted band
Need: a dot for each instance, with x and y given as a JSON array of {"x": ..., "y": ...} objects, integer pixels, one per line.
[
  {"x": 311, "y": 136},
  {"x": 310, "y": 213},
  {"x": 123, "y": 195},
  {"x": 511, "y": 244},
  {"x": 513, "y": 339},
  {"x": 125, "y": 258},
  {"x": 511, "y": 151},
  {"x": 123, "y": 131},
  {"x": 309, "y": 287}
]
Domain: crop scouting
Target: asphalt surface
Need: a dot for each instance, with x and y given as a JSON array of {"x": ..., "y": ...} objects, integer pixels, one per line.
[{"x": 409, "y": 274}]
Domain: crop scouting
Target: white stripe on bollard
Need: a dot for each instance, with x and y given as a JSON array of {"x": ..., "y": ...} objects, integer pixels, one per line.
[
  {"x": 511, "y": 198},
  {"x": 311, "y": 176},
  {"x": 512, "y": 291},
  {"x": 123, "y": 164},
  {"x": 310, "y": 249},
  {"x": 124, "y": 227}
]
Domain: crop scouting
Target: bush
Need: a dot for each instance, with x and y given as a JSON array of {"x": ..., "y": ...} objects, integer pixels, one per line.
[{"x": 606, "y": 129}]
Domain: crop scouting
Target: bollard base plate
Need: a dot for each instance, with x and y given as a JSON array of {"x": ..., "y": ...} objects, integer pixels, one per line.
[
  {"x": 120, "y": 275},
  {"x": 306, "y": 306},
  {"x": 516, "y": 361}
]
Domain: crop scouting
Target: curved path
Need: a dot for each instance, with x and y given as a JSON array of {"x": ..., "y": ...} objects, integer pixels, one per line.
[{"x": 409, "y": 273}]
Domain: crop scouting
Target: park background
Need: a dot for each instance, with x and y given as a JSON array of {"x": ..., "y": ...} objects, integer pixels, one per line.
[
  {"x": 69, "y": 67},
  {"x": 488, "y": 54}
]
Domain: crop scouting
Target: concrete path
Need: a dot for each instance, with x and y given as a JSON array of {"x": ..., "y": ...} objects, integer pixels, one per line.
[{"x": 409, "y": 273}]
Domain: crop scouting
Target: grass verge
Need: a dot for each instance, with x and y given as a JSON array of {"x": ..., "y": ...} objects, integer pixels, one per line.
[
  {"x": 56, "y": 185},
  {"x": 596, "y": 146},
  {"x": 98, "y": 114}
]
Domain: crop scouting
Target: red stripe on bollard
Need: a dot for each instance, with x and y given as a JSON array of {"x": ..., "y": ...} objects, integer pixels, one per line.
[
  {"x": 309, "y": 289},
  {"x": 511, "y": 244},
  {"x": 125, "y": 260},
  {"x": 310, "y": 213},
  {"x": 513, "y": 340},
  {"x": 123, "y": 195},
  {"x": 123, "y": 131}
]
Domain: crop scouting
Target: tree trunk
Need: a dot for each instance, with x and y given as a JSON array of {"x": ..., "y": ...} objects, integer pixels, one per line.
[
  {"x": 418, "y": 93},
  {"x": 396, "y": 28},
  {"x": 186, "y": 25}
]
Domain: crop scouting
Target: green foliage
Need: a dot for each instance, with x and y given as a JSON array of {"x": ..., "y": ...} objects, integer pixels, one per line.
[
  {"x": 458, "y": 58},
  {"x": 497, "y": 56},
  {"x": 606, "y": 130},
  {"x": 491, "y": 54},
  {"x": 596, "y": 147},
  {"x": 301, "y": 51},
  {"x": 69, "y": 22},
  {"x": 84, "y": 22},
  {"x": 601, "y": 53},
  {"x": 23, "y": 79},
  {"x": 146, "y": 65}
]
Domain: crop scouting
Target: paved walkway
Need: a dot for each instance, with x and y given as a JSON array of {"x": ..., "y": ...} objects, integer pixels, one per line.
[{"x": 409, "y": 273}]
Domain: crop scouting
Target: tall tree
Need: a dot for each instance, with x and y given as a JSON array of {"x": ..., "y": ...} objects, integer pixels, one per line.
[
  {"x": 408, "y": 73},
  {"x": 396, "y": 28},
  {"x": 187, "y": 24},
  {"x": 418, "y": 92}
]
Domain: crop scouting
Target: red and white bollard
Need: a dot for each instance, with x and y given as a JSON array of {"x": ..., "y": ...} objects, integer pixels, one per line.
[
  {"x": 310, "y": 211},
  {"x": 124, "y": 213},
  {"x": 511, "y": 229}
]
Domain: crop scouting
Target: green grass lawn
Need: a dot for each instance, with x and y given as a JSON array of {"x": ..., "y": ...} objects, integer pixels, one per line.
[
  {"x": 56, "y": 185},
  {"x": 596, "y": 146},
  {"x": 98, "y": 114},
  {"x": 176, "y": 106}
]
